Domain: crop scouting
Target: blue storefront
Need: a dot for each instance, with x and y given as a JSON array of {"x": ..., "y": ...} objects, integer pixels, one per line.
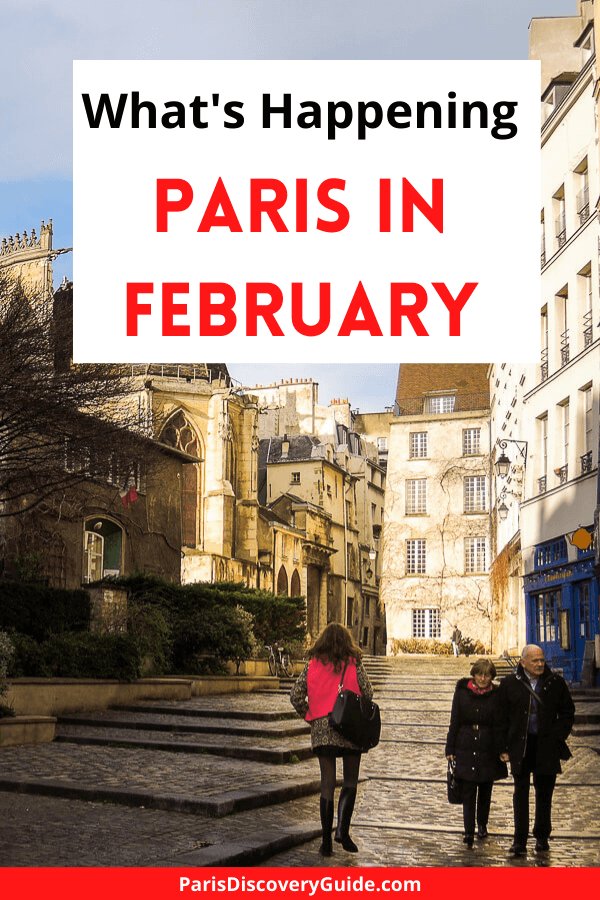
[{"x": 561, "y": 596}]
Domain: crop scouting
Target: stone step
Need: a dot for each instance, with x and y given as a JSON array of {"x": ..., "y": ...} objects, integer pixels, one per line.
[
  {"x": 206, "y": 713},
  {"x": 217, "y": 805},
  {"x": 223, "y": 727},
  {"x": 586, "y": 730},
  {"x": 253, "y": 848},
  {"x": 586, "y": 718},
  {"x": 275, "y": 755}
]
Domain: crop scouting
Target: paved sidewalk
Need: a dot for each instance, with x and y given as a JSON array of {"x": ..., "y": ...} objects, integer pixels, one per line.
[{"x": 196, "y": 808}]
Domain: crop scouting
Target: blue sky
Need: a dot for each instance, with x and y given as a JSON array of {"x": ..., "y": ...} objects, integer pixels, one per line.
[{"x": 41, "y": 38}]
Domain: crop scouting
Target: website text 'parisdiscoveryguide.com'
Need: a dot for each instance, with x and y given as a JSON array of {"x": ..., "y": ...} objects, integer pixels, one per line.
[{"x": 306, "y": 886}]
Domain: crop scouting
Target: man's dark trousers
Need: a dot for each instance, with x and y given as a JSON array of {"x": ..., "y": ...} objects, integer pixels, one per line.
[{"x": 544, "y": 788}]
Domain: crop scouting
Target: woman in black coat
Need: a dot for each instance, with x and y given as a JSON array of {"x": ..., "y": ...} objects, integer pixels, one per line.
[{"x": 473, "y": 743}]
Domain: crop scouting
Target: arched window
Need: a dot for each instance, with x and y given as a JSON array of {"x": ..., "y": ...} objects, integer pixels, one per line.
[
  {"x": 102, "y": 549},
  {"x": 295, "y": 584},
  {"x": 282, "y": 582},
  {"x": 180, "y": 433}
]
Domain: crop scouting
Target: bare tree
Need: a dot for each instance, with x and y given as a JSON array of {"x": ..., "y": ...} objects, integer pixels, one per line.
[{"x": 60, "y": 424}]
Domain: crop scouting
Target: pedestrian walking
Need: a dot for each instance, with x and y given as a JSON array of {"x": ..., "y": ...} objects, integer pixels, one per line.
[
  {"x": 313, "y": 696},
  {"x": 537, "y": 714},
  {"x": 473, "y": 745},
  {"x": 455, "y": 640}
]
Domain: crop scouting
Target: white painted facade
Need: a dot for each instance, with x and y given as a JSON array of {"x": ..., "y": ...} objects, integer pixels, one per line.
[
  {"x": 436, "y": 536},
  {"x": 552, "y": 408}
]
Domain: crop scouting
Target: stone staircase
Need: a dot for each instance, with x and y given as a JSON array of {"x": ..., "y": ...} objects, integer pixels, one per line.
[{"x": 224, "y": 757}]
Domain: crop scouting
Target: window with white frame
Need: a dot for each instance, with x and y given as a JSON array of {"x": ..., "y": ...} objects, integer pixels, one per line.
[
  {"x": 474, "y": 493},
  {"x": 588, "y": 417},
  {"x": 426, "y": 623},
  {"x": 295, "y": 478},
  {"x": 441, "y": 404},
  {"x": 566, "y": 427},
  {"x": 416, "y": 496},
  {"x": 382, "y": 444},
  {"x": 582, "y": 198},
  {"x": 475, "y": 555},
  {"x": 418, "y": 444},
  {"x": 471, "y": 441},
  {"x": 416, "y": 556},
  {"x": 543, "y": 438},
  {"x": 560, "y": 222}
]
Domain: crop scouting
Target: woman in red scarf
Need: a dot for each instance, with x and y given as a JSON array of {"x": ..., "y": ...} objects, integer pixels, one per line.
[
  {"x": 313, "y": 696},
  {"x": 473, "y": 743}
]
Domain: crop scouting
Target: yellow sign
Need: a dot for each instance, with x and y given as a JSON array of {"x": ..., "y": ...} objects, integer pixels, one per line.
[{"x": 582, "y": 539}]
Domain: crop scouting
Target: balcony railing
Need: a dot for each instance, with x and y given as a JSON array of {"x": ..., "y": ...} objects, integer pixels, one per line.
[
  {"x": 564, "y": 348},
  {"x": 543, "y": 256},
  {"x": 588, "y": 328},
  {"x": 583, "y": 205},
  {"x": 586, "y": 462},
  {"x": 562, "y": 473},
  {"x": 560, "y": 228},
  {"x": 434, "y": 405},
  {"x": 544, "y": 365},
  {"x": 542, "y": 485}
]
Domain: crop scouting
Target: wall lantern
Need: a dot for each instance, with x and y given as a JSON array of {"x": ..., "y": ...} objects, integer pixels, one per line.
[
  {"x": 503, "y": 463},
  {"x": 502, "y": 511}
]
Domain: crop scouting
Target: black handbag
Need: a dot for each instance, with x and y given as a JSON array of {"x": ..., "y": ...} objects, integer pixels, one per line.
[
  {"x": 357, "y": 719},
  {"x": 454, "y": 784}
]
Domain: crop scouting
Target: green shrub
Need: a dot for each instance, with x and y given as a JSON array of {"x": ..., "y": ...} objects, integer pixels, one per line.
[
  {"x": 205, "y": 631},
  {"x": 152, "y": 632},
  {"x": 80, "y": 655},
  {"x": 420, "y": 645},
  {"x": 7, "y": 652},
  {"x": 204, "y": 640},
  {"x": 28, "y": 658},
  {"x": 471, "y": 647},
  {"x": 40, "y": 611}
]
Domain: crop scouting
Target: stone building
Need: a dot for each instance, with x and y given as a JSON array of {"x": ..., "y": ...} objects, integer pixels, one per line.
[
  {"x": 329, "y": 483},
  {"x": 548, "y": 414},
  {"x": 436, "y": 531},
  {"x": 28, "y": 258},
  {"x": 203, "y": 433}
]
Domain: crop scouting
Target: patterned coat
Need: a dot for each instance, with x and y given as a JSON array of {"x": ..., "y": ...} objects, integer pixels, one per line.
[{"x": 321, "y": 734}]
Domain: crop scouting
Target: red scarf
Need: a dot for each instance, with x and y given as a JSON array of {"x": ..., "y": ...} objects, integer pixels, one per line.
[{"x": 473, "y": 687}]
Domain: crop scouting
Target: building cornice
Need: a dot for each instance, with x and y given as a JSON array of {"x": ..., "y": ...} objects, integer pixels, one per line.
[{"x": 586, "y": 77}]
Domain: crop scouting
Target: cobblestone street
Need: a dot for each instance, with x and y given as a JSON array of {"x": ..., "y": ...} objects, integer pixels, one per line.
[{"x": 176, "y": 785}]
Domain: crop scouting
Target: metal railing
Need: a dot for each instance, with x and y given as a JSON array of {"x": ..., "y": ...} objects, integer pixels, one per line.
[
  {"x": 583, "y": 205},
  {"x": 586, "y": 463},
  {"x": 560, "y": 229},
  {"x": 562, "y": 473},
  {"x": 544, "y": 365},
  {"x": 588, "y": 328},
  {"x": 565, "y": 354},
  {"x": 542, "y": 484}
]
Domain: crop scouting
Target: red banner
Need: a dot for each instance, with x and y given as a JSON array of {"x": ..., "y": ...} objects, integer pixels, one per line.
[{"x": 164, "y": 884}]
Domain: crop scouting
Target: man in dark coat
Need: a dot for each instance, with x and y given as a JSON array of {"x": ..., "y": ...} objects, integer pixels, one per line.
[{"x": 537, "y": 715}]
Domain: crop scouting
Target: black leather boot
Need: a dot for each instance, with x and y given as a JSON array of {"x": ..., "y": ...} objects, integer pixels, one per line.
[
  {"x": 326, "y": 809},
  {"x": 345, "y": 810}
]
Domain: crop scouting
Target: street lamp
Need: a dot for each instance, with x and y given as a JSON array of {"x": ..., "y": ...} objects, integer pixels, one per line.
[
  {"x": 372, "y": 553},
  {"x": 502, "y": 511},
  {"x": 503, "y": 463}
]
